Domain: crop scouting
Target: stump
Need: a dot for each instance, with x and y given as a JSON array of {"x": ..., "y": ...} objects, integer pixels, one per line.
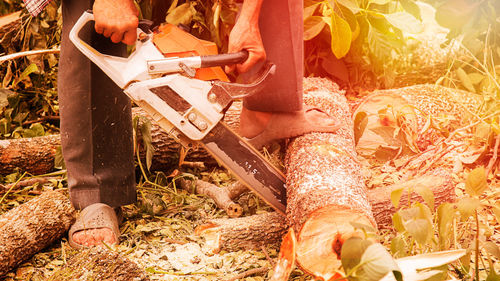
[{"x": 32, "y": 226}]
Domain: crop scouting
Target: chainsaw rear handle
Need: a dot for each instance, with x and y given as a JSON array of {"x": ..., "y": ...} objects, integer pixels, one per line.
[
  {"x": 121, "y": 70},
  {"x": 224, "y": 59}
]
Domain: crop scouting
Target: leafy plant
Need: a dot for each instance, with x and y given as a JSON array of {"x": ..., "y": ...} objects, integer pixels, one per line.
[
  {"x": 460, "y": 225},
  {"x": 368, "y": 34},
  {"x": 28, "y": 95}
]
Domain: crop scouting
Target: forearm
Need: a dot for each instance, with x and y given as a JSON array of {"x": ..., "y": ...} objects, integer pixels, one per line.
[{"x": 250, "y": 11}]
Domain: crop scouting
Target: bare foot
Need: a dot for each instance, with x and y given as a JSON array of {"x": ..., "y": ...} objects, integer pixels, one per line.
[
  {"x": 263, "y": 127},
  {"x": 94, "y": 237}
]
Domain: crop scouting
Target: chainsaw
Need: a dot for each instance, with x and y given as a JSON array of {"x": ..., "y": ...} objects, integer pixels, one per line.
[{"x": 187, "y": 95}]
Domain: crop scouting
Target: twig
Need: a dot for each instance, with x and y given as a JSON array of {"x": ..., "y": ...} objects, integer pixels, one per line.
[
  {"x": 41, "y": 119},
  {"x": 271, "y": 261},
  {"x": 249, "y": 272},
  {"x": 18, "y": 180},
  {"x": 494, "y": 157},
  {"x": 193, "y": 165},
  {"x": 27, "y": 182},
  {"x": 436, "y": 158},
  {"x": 28, "y": 53}
]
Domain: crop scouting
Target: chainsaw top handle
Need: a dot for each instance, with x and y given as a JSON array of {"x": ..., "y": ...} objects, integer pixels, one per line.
[{"x": 224, "y": 59}]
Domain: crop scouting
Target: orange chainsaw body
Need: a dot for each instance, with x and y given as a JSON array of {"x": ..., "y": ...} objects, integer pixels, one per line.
[{"x": 175, "y": 42}]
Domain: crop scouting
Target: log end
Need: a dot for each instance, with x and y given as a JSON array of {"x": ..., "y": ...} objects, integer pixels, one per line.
[{"x": 321, "y": 238}]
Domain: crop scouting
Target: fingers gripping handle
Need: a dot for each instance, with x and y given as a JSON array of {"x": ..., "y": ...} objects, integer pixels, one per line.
[{"x": 121, "y": 70}]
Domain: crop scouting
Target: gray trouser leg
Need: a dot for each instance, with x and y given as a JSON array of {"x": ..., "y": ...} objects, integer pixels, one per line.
[
  {"x": 281, "y": 28},
  {"x": 96, "y": 126}
]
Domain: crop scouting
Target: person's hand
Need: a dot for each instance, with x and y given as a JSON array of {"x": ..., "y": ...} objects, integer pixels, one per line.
[
  {"x": 246, "y": 36},
  {"x": 116, "y": 19}
]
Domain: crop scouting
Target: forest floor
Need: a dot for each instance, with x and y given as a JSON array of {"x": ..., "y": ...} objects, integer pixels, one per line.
[{"x": 157, "y": 232}]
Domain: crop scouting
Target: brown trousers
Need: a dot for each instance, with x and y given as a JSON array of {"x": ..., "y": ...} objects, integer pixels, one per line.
[
  {"x": 96, "y": 122},
  {"x": 96, "y": 126}
]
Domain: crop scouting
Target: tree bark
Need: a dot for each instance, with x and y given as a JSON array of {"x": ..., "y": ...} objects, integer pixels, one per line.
[
  {"x": 99, "y": 263},
  {"x": 325, "y": 188},
  {"x": 36, "y": 155},
  {"x": 380, "y": 199},
  {"x": 245, "y": 233},
  {"x": 32, "y": 226},
  {"x": 9, "y": 23}
]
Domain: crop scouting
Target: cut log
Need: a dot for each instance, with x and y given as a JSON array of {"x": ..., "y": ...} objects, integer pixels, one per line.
[
  {"x": 411, "y": 109},
  {"x": 24, "y": 153},
  {"x": 441, "y": 186},
  {"x": 10, "y": 22},
  {"x": 36, "y": 155},
  {"x": 325, "y": 188},
  {"x": 220, "y": 195},
  {"x": 99, "y": 263},
  {"x": 32, "y": 226},
  {"x": 246, "y": 233}
]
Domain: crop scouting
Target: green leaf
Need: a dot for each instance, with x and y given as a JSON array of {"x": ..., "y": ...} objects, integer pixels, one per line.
[
  {"x": 341, "y": 35},
  {"x": 426, "y": 193},
  {"x": 412, "y": 8},
  {"x": 148, "y": 141},
  {"x": 350, "y": 4},
  {"x": 360, "y": 122},
  {"x": 492, "y": 249},
  {"x": 396, "y": 196},
  {"x": 405, "y": 22},
  {"x": 464, "y": 78},
  {"x": 492, "y": 275},
  {"x": 397, "y": 222},
  {"x": 365, "y": 227},
  {"x": 27, "y": 71},
  {"x": 352, "y": 251},
  {"x": 313, "y": 26},
  {"x": 380, "y": 2},
  {"x": 476, "y": 182},
  {"x": 398, "y": 247},
  {"x": 182, "y": 14},
  {"x": 59, "y": 159},
  {"x": 310, "y": 7},
  {"x": 420, "y": 229},
  {"x": 445, "y": 215},
  {"x": 467, "y": 206},
  {"x": 475, "y": 77},
  {"x": 4, "y": 94},
  {"x": 376, "y": 262}
]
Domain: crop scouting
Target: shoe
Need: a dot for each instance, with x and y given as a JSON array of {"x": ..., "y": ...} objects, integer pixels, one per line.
[{"x": 94, "y": 216}]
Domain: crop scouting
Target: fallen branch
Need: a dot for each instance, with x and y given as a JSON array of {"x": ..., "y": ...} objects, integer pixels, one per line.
[
  {"x": 245, "y": 233},
  {"x": 28, "y": 53},
  {"x": 220, "y": 195},
  {"x": 250, "y": 272},
  {"x": 25, "y": 183},
  {"x": 228, "y": 234},
  {"x": 32, "y": 226}
]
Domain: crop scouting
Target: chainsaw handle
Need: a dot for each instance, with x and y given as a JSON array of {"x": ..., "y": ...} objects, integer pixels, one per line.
[
  {"x": 121, "y": 70},
  {"x": 224, "y": 59}
]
